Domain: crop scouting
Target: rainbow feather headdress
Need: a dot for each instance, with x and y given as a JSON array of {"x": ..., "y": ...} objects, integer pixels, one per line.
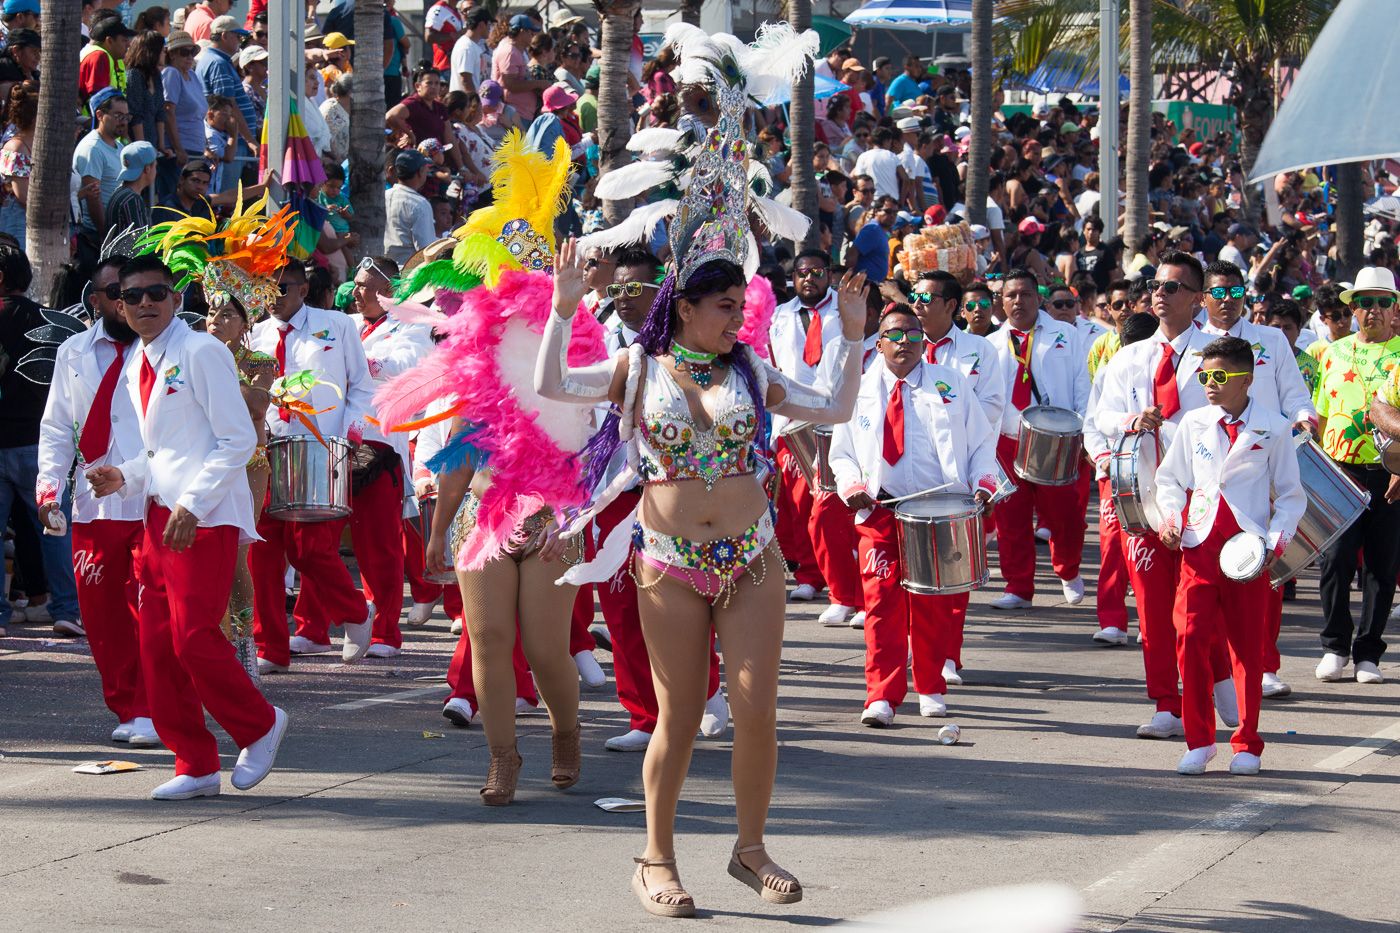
[{"x": 237, "y": 259}]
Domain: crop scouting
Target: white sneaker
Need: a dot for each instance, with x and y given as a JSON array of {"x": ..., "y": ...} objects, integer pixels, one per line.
[
  {"x": 255, "y": 761},
  {"x": 300, "y": 644},
  {"x": 456, "y": 626},
  {"x": 1194, "y": 760},
  {"x": 143, "y": 734},
  {"x": 1394, "y": 613},
  {"x": 858, "y": 620},
  {"x": 123, "y": 731},
  {"x": 931, "y": 705},
  {"x": 1010, "y": 601},
  {"x": 1163, "y": 725},
  {"x": 801, "y": 593},
  {"x": 877, "y": 715},
  {"x": 590, "y": 675},
  {"x": 269, "y": 667},
  {"x": 69, "y": 628},
  {"x": 1275, "y": 688},
  {"x": 524, "y": 707},
  {"x": 1073, "y": 590},
  {"x": 1111, "y": 636},
  {"x": 634, "y": 741},
  {"x": 836, "y": 615},
  {"x": 1332, "y": 667},
  {"x": 1368, "y": 673},
  {"x": 381, "y": 650},
  {"x": 951, "y": 677},
  {"x": 1244, "y": 763},
  {"x": 419, "y": 614},
  {"x": 1227, "y": 705},
  {"x": 459, "y": 712},
  {"x": 357, "y": 636},
  {"x": 1042, "y": 534},
  {"x": 716, "y": 718},
  {"x": 187, "y": 786},
  {"x": 39, "y": 615}
]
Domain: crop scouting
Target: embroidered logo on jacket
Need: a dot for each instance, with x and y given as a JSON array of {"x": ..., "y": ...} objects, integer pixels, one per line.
[
  {"x": 945, "y": 391},
  {"x": 173, "y": 380}
]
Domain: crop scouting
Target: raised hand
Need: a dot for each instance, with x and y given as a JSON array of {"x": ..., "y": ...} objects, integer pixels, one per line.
[
  {"x": 851, "y": 296},
  {"x": 569, "y": 283}
]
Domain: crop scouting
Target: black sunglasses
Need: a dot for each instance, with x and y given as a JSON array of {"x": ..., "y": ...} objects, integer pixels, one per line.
[
  {"x": 1063, "y": 303},
  {"x": 113, "y": 291},
  {"x": 157, "y": 292},
  {"x": 1168, "y": 288}
]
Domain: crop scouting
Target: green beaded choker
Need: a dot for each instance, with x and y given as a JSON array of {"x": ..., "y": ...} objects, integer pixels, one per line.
[{"x": 698, "y": 365}]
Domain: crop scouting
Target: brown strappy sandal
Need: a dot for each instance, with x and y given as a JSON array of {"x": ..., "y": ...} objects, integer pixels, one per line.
[
  {"x": 568, "y": 758},
  {"x": 766, "y": 880},
  {"x": 671, "y": 901},
  {"x": 502, "y": 777}
]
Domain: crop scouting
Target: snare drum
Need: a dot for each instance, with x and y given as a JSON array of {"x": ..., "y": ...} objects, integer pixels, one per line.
[
  {"x": 1242, "y": 557},
  {"x": 310, "y": 481},
  {"x": 1389, "y": 451},
  {"x": 810, "y": 446},
  {"x": 1049, "y": 446},
  {"x": 427, "y": 505},
  {"x": 941, "y": 545},
  {"x": 1132, "y": 477},
  {"x": 1334, "y": 503}
]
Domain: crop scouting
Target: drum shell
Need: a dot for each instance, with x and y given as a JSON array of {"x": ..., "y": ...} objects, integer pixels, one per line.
[
  {"x": 810, "y": 446},
  {"x": 1242, "y": 557},
  {"x": 1335, "y": 501},
  {"x": 942, "y": 555},
  {"x": 427, "y": 505},
  {"x": 826, "y": 479},
  {"x": 310, "y": 481},
  {"x": 1133, "y": 497},
  {"x": 1389, "y": 450},
  {"x": 1045, "y": 457}
]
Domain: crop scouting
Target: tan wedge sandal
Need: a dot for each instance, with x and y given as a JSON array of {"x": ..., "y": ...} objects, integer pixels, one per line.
[
  {"x": 501, "y": 777},
  {"x": 775, "y": 885},
  {"x": 672, "y": 901},
  {"x": 568, "y": 758}
]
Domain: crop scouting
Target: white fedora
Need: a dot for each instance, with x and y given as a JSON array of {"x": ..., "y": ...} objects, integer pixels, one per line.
[{"x": 1371, "y": 279}]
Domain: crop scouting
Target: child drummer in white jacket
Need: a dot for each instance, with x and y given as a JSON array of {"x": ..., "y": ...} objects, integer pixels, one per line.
[
  {"x": 917, "y": 426},
  {"x": 1215, "y": 471}
]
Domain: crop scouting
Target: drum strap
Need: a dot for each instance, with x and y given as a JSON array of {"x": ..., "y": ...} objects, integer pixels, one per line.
[{"x": 1022, "y": 355}]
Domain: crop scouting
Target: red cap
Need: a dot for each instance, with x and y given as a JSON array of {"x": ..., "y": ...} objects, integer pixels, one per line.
[{"x": 935, "y": 215}]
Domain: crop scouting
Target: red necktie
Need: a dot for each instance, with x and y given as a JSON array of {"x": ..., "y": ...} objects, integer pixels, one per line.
[
  {"x": 1232, "y": 430},
  {"x": 894, "y": 425},
  {"x": 932, "y": 354},
  {"x": 282, "y": 332},
  {"x": 148, "y": 382},
  {"x": 1021, "y": 388},
  {"x": 97, "y": 429},
  {"x": 812, "y": 349},
  {"x": 1164, "y": 391},
  {"x": 369, "y": 326}
]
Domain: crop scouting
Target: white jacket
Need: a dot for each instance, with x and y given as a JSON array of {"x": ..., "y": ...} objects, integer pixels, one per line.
[
  {"x": 977, "y": 360},
  {"x": 391, "y": 349},
  {"x": 1096, "y": 444},
  {"x": 1057, "y": 368},
  {"x": 1278, "y": 383},
  {"x": 1201, "y": 459},
  {"x": 1127, "y": 383},
  {"x": 77, "y": 373},
  {"x": 328, "y": 343},
  {"x": 196, "y": 433},
  {"x": 787, "y": 338},
  {"x": 964, "y": 441}
]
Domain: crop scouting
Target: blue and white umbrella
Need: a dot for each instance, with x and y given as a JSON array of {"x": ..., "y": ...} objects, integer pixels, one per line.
[
  {"x": 1065, "y": 72},
  {"x": 912, "y": 15}
]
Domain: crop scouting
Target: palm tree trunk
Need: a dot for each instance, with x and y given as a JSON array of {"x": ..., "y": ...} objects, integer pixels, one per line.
[
  {"x": 46, "y": 216},
  {"x": 1139, "y": 120},
  {"x": 614, "y": 113},
  {"x": 367, "y": 111},
  {"x": 980, "y": 152},
  {"x": 1350, "y": 235},
  {"x": 802, "y": 117},
  {"x": 1253, "y": 99}
]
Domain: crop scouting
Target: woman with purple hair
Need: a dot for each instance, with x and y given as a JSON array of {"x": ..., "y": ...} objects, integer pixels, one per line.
[{"x": 690, "y": 403}]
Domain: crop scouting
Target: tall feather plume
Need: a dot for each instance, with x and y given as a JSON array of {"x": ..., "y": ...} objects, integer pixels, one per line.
[
  {"x": 653, "y": 138},
  {"x": 781, "y": 52},
  {"x": 782, "y": 222},
  {"x": 484, "y": 256},
  {"x": 639, "y": 227},
  {"x": 527, "y": 185},
  {"x": 685, "y": 39},
  {"x": 412, "y": 312},
  {"x": 400, "y": 399},
  {"x": 634, "y": 180}
]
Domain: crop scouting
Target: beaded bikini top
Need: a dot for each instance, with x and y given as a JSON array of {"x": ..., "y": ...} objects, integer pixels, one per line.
[{"x": 673, "y": 447}]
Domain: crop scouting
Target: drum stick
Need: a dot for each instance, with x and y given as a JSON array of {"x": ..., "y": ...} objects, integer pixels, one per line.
[{"x": 915, "y": 495}]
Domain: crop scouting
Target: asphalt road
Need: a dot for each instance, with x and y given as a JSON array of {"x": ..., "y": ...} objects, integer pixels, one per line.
[{"x": 372, "y": 819}]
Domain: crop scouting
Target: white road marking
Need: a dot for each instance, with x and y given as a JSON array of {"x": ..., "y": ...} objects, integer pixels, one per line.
[
  {"x": 1350, "y": 756},
  {"x": 398, "y": 696}
]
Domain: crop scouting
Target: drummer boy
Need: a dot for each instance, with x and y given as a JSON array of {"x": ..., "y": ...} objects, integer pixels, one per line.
[
  {"x": 917, "y": 426},
  {"x": 1212, "y": 472}
]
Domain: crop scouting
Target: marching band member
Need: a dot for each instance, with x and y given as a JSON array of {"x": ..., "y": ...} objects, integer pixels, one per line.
[
  {"x": 391, "y": 347},
  {"x": 1042, "y": 363},
  {"x": 917, "y": 425},
  {"x": 191, "y": 478},
  {"x": 302, "y": 338},
  {"x": 89, "y": 418},
  {"x": 1214, "y": 472},
  {"x": 798, "y": 337},
  {"x": 1149, "y": 386}
]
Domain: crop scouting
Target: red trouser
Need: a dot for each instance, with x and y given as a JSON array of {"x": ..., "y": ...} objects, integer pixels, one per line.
[
  {"x": 376, "y": 533},
  {"x": 1054, "y": 507},
  {"x": 1113, "y": 564},
  {"x": 1273, "y": 626},
  {"x": 580, "y": 638},
  {"x": 1211, "y": 608},
  {"x": 794, "y": 508},
  {"x": 459, "y": 672},
  {"x": 190, "y": 666},
  {"x": 106, "y": 565},
  {"x": 618, "y": 599},
  {"x": 423, "y": 590},
  {"x": 313, "y": 549},
  {"x": 898, "y": 621}
]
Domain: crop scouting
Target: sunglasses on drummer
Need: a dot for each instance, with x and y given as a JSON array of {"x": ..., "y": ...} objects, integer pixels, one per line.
[
  {"x": 974, "y": 304},
  {"x": 1221, "y": 292},
  {"x": 1167, "y": 287},
  {"x": 900, "y": 335},
  {"x": 158, "y": 292},
  {"x": 630, "y": 289},
  {"x": 1367, "y": 302},
  {"x": 1063, "y": 304},
  {"x": 1218, "y": 376}
]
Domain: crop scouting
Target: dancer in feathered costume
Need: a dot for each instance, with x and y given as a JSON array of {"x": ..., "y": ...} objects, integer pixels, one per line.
[
  {"x": 512, "y": 466},
  {"x": 690, "y": 403},
  {"x": 236, "y": 263}
]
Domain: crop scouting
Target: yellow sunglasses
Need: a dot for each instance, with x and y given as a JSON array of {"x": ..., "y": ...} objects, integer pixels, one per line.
[{"x": 1219, "y": 376}]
